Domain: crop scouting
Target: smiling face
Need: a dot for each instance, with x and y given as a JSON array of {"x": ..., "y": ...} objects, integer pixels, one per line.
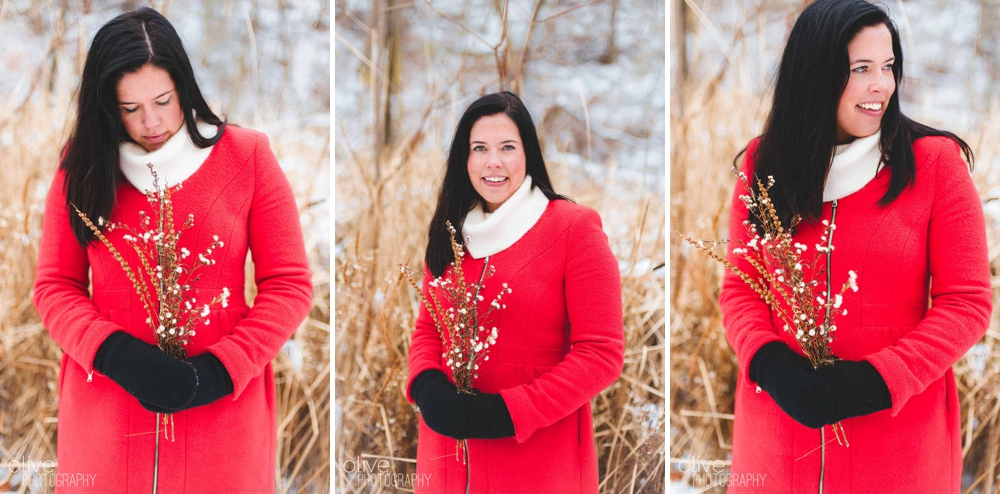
[
  {"x": 147, "y": 103},
  {"x": 496, "y": 159},
  {"x": 869, "y": 86}
]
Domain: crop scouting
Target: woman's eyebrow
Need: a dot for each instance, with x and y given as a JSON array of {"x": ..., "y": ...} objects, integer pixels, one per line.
[
  {"x": 157, "y": 97},
  {"x": 865, "y": 60}
]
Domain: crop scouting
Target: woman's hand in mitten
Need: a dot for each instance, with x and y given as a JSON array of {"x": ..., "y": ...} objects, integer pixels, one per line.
[
  {"x": 793, "y": 384},
  {"x": 145, "y": 372},
  {"x": 857, "y": 387},
  {"x": 214, "y": 382},
  {"x": 488, "y": 417},
  {"x": 443, "y": 409}
]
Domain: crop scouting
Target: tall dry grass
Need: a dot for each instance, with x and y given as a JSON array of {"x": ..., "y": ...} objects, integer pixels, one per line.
[
  {"x": 32, "y": 131},
  {"x": 714, "y": 115},
  {"x": 385, "y": 220}
]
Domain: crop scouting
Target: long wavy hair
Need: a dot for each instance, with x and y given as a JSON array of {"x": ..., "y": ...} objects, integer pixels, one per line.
[
  {"x": 799, "y": 137},
  {"x": 91, "y": 162},
  {"x": 457, "y": 195}
]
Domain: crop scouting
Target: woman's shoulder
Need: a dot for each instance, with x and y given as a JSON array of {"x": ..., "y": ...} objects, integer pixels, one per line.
[
  {"x": 746, "y": 160},
  {"x": 934, "y": 146},
  {"x": 243, "y": 141},
  {"x": 568, "y": 209},
  {"x": 567, "y": 214},
  {"x": 938, "y": 153},
  {"x": 579, "y": 230}
]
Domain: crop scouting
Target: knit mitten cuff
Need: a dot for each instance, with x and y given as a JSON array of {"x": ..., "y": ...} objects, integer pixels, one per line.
[
  {"x": 419, "y": 384},
  {"x": 112, "y": 343},
  {"x": 764, "y": 356},
  {"x": 858, "y": 389},
  {"x": 488, "y": 417}
]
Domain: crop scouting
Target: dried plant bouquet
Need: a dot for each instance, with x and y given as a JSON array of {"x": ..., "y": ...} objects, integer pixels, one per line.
[
  {"x": 460, "y": 324},
  {"x": 786, "y": 280},
  {"x": 172, "y": 313}
]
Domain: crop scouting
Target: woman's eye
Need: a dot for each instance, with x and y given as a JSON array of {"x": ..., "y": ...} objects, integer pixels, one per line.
[
  {"x": 861, "y": 70},
  {"x": 164, "y": 102},
  {"x": 887, "y": 67},
  {"x": 508, "y": 147},
  {"x": 130, "y": 110},
  {"x": 478, "y": 148}
]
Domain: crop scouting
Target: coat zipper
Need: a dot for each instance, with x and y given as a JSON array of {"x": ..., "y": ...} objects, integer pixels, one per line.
[
  {"x": 829, "y": 244},
  {"x": 156, "y": 456},
  {"x": 475, "y": 326}
]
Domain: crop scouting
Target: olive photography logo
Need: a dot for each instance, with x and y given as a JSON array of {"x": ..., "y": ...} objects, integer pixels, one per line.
[
  {"x": 372, "y": 471},
  {"x": 34, "y": 473},
  {"x": 705, "y": 473}
]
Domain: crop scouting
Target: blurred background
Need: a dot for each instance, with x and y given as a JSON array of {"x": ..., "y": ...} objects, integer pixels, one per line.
[
  {"x": 265, "y": 65},
  {"x": 723, "y": 58},
  {"x": 592, "y": 76}
]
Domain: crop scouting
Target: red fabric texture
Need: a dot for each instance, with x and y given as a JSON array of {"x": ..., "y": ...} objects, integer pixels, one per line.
[
  {"x": 240, "y": 194},
  {"x": 560, "y": 343},
  {"x": 930, "y": 242}
]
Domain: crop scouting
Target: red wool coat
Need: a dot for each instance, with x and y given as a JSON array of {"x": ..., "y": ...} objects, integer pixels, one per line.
[
  {"x": 560, "y": 343},
  {"x": 930, "y": 241},
  {"x": 240, "y": 194}
]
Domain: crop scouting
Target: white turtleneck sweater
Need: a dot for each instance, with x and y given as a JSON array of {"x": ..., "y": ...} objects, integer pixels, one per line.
[
  {"x": 174, "y": 162},
  {"x": 854, "y": 165},
  {"x": 489, "y": 233}
]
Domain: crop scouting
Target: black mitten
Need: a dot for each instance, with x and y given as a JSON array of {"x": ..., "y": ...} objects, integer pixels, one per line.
[
  {"x": 214, "y": 382},
  {"x": 443, "y": 409},
  {"x": 145, "y": 372},
  {"x": 793, "y": 384},
  {"x": 857, "y": 387},
  {"x": 488, "y": 417}
]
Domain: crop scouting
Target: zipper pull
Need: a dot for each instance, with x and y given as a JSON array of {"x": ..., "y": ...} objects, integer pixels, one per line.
[{"x": 90, "y": 376}]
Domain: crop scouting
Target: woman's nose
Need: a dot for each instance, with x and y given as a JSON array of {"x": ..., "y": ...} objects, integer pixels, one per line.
[
  {"x": 150, "y": 119},
  {"x": 494, "y": 160},
  {"x": 881, "y": 83}
]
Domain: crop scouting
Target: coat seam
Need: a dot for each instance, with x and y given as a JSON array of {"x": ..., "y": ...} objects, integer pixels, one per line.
[{"x": 222, "y": 191}]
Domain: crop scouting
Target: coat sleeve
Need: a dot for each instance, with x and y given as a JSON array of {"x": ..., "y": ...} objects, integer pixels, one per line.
[
  {"x": 425, "y": 344},
  {"x": 745, "y": 316},
  {"x": 61, "y": 293},
  {"x": 281, "y": 272},
  {"x": 595, "y": 359},
  {"x": 961, "y": 295}
]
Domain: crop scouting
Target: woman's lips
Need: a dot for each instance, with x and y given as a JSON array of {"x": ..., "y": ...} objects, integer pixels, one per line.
[
  {"x": 871, "y": 113},
  {"x": 496, "y": 184},
  {"x": 156, "y": 138}
]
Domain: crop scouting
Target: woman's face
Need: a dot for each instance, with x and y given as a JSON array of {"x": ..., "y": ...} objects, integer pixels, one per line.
[
  {"x": 496, "y": 159},
  {"x": 147, "y": 103},
  {"x": 869, "y": 86}
]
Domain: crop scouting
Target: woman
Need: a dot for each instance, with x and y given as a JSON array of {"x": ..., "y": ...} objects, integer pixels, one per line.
[
  {"x": 560, "y": 338},
  {"x": 909, "y": 222},
  {"x": 138, "y": 103}
]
